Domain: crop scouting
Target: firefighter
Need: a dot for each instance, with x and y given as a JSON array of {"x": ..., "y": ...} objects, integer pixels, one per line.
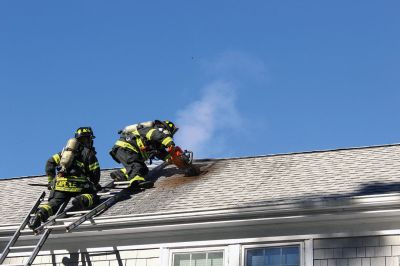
[
  {"x": 138, "y": 143},
  {"x": 72, "y": 173}
]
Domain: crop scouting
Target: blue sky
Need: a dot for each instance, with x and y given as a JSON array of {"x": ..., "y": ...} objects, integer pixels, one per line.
[{"x": 239, "y": 77}]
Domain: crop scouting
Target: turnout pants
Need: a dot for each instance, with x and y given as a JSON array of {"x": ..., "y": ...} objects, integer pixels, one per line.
[
  {"x": 135, "y": 168},
  {"x": 80, "y": 201}
]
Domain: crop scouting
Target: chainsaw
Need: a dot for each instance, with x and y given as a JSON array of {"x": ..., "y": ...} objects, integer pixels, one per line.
[{"x": 184, "y": 160}]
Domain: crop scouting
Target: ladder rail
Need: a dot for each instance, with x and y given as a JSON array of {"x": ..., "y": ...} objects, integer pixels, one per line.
[
  {"x": 44, "y": 237},
  {"x": 96, "y": 210},
  {"x": 107, "y": 203},
  {"x": 50, "y": 222},
  {"x": 21, "y": 227},
  {"x": 47, "y": 227},
  {"x": 61, "y": 215}
]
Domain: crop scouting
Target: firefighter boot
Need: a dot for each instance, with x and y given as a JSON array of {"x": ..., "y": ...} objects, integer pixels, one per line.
[
  {"x": 117, "y": 175},
  {"x": 77, "y": 204},
  {"x": 137, "y": 183},
  {"x": 146, "y": 184},
  {"x": 35, "y": 221}
]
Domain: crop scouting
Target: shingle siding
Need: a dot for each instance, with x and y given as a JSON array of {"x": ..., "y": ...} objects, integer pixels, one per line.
[
  {"x": 373, "y": 251},
  {"x": 149, "y": 257}
]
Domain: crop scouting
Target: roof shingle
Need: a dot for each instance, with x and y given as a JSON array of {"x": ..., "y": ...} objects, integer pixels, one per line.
[{"x": 241, "y": 182}]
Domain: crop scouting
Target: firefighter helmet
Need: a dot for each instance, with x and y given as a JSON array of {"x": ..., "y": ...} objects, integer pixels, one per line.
[
  {"x": 84, "y": 132},
  {"x": 170, "y": 126}
]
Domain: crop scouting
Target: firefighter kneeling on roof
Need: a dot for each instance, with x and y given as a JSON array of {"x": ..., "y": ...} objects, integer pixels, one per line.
[
  {"x": 138, "y": 143},
  {"x": 78, "y": 175}
]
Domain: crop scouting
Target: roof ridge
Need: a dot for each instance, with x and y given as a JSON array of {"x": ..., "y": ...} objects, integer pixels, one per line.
[{"x": 302, "y": 152}]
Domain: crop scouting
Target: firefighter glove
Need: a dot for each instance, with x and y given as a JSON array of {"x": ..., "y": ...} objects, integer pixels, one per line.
[
  {"x": 98, "y": 187},
  {"x": 50, "y": 184}
]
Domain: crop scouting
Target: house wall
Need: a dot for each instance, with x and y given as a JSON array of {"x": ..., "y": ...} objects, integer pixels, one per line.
[
  {"x": 351, "y": 251},
  {"x": 161, "y": 256},
  {"x": 357, "y": 251}
]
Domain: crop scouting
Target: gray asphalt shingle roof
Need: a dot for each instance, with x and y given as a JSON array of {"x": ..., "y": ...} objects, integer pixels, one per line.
[{"x": 242, "y": 182}]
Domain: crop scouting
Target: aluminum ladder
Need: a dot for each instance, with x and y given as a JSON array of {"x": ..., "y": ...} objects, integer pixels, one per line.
[
  {"x": 21, "y": 229},
  {"x": 62, "y": 219}
]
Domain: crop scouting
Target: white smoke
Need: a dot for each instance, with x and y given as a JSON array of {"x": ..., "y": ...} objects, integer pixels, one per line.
[
  {"x": 201, "y": 121},
  {"x": 209, "y": 124}
]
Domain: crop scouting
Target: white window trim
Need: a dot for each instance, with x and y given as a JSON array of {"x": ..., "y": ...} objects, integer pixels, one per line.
[
  {"x": 224, "y": 250},
  {"x": 263, "y": 245}
]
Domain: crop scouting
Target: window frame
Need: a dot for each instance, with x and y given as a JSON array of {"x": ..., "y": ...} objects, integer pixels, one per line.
[
  {"x": 223, "y": 249},
  {"x": 263, "y": 245}
]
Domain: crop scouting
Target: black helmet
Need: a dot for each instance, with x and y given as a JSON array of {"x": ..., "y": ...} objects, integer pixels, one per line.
[
  {"x": 84, "y": 132},
  {"x": 169, "y": 126}
]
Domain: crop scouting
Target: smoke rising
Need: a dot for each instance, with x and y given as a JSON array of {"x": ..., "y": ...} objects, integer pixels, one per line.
[
  {"x": 202, "y": 122},
  {"x": 211, "y": 124}
]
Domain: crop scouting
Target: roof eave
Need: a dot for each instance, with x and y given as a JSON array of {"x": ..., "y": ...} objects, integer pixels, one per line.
[{"x": 368, "y": 206}]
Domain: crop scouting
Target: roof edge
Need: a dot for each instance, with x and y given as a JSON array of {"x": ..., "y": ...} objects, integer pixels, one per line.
[
  {"x": 301, "y": 152},
  {"x": 367, "y": 203}
]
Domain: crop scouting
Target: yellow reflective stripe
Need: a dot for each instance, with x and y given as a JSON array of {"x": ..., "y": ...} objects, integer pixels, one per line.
[
  {"x": 123, "y": 170},
  {"x": 80, "y": 164},
  {"x": 47, "y": 208},
  {"x": 57, "y": 158},
  {"x": 148, "y": 135},
  {"x": 72, "y": 178},
  {"x": 70, "y": 183},
  {"x": 166, "y": 141},
  {"x": 141, "y": 147},
  {"x": 90, "y": 198},
  {"x": 125, "y": 145},
  {"x": 136, "y": 133},
  {"x": 94, "y": 166},
  {"x": 140, "y": 143},
  {"x": 136, "y": 178},
  {"x": 67, "y": 189}
]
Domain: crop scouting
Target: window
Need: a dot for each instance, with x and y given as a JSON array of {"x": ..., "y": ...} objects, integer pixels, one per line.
[
  {"x": 273, "y": 256},
  {"x": 206, "y": 258}
]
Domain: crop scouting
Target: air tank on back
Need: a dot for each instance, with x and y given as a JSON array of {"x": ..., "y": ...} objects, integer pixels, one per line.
[{"x": 68, "y": 153}]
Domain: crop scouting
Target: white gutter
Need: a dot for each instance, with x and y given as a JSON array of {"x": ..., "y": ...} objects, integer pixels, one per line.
[{"x": 371, "y": 205}]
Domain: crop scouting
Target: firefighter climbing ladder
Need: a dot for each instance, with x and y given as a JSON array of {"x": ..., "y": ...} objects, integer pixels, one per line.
[
  {"x": 35, "y": 249},
  {"x": 64, "y": 217}
]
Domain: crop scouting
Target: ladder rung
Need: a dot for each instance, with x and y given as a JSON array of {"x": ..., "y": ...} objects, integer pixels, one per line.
[
  {"x": 22, "y": 247},
  {"x": 107, "y": 193},
  {"x": 55, "y": 226},
  {"x": 76, "y": 212},
  {"x": 14, "y": 264},
  {"x": 26, "y": 231},
  {"x": 67, "y": 219}
]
